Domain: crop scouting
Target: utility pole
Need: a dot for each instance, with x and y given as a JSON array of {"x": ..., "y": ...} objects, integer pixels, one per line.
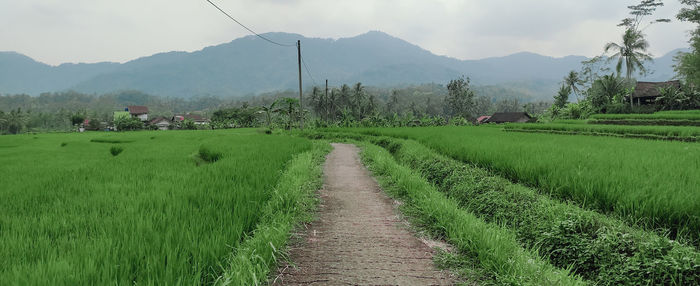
[
  {"x": 301, "y": 103},
  {"x": 326, "y": 103}
]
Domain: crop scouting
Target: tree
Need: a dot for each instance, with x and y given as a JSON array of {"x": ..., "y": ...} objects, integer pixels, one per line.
[
  {"x": 460, "y": 98},
  {"x": 688, "y": 64},
  {"x": 188, "y": 124},
  {"x": 358, "y": 100},
  {"x": 128, "y": 123},
  {"x": 15, "y": 121},
  {"x": 289, "y": 107},
  {"x": 267, "y": 110},
  {"x": 632, "y": 52},
  {"x": 562, "y": 96},
  {"x": 606, "y": 90},
  {"x": 672, "y": 98},
  {"x": 573, "y": 81}
]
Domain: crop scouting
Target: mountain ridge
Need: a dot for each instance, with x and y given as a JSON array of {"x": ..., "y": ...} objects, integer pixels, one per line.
[{"x": 249, "y": 65}]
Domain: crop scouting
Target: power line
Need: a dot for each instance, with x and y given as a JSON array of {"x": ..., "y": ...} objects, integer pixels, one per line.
[
  {"x": 241, "y": 24},
  {"x": 307, "y": 70}
]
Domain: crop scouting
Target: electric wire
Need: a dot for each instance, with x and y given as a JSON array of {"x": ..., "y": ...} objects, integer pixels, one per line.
[
  {"x": 308, "y": 71},
  {"x": 249, "y": 30}
]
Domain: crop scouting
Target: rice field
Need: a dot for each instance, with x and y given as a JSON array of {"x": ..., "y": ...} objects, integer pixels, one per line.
[
  {"x": 649, "y": 183},
  {"x": 142, "y": 208},
  {"x": 681, "y": 133}
]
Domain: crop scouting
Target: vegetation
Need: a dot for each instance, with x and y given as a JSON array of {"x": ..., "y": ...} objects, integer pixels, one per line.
[
  {"x": 149, "y": 215},
  {"x": 613, "y": 176},
  {"x": 496, "y": 248},
  {"x": 602, "y": 250},
  {"x": 680, "y": 133}
]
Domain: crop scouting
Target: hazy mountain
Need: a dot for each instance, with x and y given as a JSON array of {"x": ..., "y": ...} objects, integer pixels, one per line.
[{"x": 251, "y": 65}]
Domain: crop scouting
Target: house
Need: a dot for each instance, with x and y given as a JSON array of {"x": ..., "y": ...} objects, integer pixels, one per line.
[
  {"x": 138, "y": 111},
  {"x": 161, "y": 122},
  {"x": 482, "y": 119},
  {"x": 646, "y": 92},
  {"x": 198, "y": 119},
  {"x": 503, "y": 117}
]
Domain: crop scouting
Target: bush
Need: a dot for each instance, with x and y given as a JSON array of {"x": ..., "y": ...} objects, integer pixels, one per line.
[
  {"x": 116, "y": 150},
  {"x": 209, "y": 155}
]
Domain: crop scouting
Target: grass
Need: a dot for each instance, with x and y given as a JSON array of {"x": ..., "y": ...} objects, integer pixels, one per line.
[
  {"x": 685, "y": 118},
  {"x": 494, "y": 247},
  {"x": 680, "y": 133},
  {"x": 649, "y": 183},
  {"x": 77, "y": 215},
  {"x": 602, "y": 250},
  {"x": 692, "y": 115},
  {"x": 293, "y": 201}
]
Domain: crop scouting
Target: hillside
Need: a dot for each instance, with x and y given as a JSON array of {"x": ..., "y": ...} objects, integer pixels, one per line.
[{"x": 250, "y": 65}]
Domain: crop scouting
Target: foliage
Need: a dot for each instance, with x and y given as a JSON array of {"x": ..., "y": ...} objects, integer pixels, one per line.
[
  {"x": 681, "y": 133},
  {"x": 607, "y": 90},
  {"x": 116, "y": 150},
  {"x": 496, "y": 247},
  {"x": 188, "y": 124},
  {"x": 13, "y": 122},
  {"x": 602, "y": 250},
  {"x": 460, "y": 98},
  {"x": 243, "y": 116},
  {"x": 128, "y": 124},
  {"x": 77, "y": 119},
  {"x": 688, "y": 64},
  {"x": 562, "y": 96}
]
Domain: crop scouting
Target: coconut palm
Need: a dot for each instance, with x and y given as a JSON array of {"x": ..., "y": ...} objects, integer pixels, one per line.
[
  {"x": 573, "y": 81},
  {"x": 358, "y": 99},
  {"x": 632, "y": 51}
]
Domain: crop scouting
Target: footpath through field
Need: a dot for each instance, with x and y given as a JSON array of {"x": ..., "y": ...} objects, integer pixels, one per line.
[{"x": 358, "y": 238}]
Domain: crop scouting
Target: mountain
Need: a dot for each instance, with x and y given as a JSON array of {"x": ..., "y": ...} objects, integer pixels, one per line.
[{"x": 251, "y": 65}]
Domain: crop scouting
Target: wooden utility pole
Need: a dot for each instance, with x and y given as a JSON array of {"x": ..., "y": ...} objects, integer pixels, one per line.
[
  {"x": 301, "y": 103},
  {"x": 326, "y": 103}
]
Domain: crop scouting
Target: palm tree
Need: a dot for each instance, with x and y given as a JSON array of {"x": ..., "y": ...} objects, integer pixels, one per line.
[
  {"x": 358, "y": 96},
  {"x": 573, "y": 81},
  {"x": 15, "y": 121},
  {"x": 632, "y": 51}
]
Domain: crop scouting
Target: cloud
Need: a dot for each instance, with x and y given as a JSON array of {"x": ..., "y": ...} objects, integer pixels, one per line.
[{"x": 57, "y": 31}]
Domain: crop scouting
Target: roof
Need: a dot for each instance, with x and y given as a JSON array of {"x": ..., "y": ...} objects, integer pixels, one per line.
[
  {"x": 158, "y": 119},
  {"x": 500, "y": 117},
  {"x": 137, "y": 109},
  {"x": 193, "y": 117},
  {"x": 483, "y": 118},
  {"x": 651, "y": 89}
]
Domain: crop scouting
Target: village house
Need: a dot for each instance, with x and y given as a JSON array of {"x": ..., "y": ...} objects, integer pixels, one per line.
[
  {"x": 482, "y": 119},
  {"x": 503, "y": 117},
  {"x": 645, "y": 92},
  {"x": 161, "y": 122},
  {"x": 138, "y": 111},
  {"x": 198, "y": 119}
]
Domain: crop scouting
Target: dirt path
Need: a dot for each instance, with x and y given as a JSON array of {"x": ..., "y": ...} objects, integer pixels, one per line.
[{"x": 358, "y": 239}]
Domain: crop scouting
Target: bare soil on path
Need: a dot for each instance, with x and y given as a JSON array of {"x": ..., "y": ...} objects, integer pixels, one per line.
[{"x": 358, "y": 239}]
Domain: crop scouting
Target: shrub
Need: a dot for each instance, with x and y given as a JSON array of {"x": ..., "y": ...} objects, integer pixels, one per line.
[{"x": 116, "y": 150}]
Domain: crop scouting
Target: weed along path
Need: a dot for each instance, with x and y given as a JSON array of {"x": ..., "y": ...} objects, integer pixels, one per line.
[{"x": 358, "y": 238}]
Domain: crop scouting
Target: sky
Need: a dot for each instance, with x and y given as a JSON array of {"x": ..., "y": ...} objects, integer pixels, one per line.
[{"x": 60, "y": 31}]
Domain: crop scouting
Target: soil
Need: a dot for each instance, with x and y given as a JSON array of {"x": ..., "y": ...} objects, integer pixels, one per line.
[{"x": 359, "y": 238}]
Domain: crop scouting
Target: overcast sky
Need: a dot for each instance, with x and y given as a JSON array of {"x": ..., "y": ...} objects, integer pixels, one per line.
[{"x": 59, "y": 31}]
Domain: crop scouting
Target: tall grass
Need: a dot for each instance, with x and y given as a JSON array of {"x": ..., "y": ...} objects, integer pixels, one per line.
[
  {"x": 649, "y": 183},
  {"x": 76, "y": 215},
  {"x": 604, "y": 251},
  {"x": 495, "y": 248}
]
